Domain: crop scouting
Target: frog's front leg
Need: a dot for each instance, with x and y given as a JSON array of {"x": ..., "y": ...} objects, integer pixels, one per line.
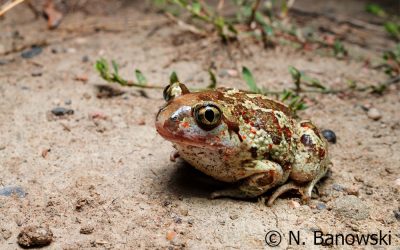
[{"x": 263, "y": 175}]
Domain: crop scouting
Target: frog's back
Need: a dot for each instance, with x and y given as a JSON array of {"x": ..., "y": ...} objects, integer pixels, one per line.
[{"x": 251, "y": 101}]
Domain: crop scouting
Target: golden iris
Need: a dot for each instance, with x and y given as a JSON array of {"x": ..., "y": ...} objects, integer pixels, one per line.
[{"x": 207, "y": 115}]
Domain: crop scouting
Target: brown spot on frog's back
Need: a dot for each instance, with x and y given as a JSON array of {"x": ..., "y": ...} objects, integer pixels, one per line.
[
  {"x": 263, "y": 102},
  {"x": 212, "y": 95},
  {"x": 308, "y": 124},
  {"x": 307, "y": 140},
  {"x": 253, "y": 151},
  {"x": 321, "y": 153},
  {"x": 276, "y": 139}
]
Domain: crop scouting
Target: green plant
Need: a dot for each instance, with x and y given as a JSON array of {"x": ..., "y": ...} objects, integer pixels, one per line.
[
  {"x": 104, "y": 70},
  {"x": 375, "y": 9},
  {"x": 289, "y": 96},
  {"x": 393, "y": 29},
  {"x": 253, "y": 18},
  {"x": 141, "y": 82},
  {"x": 391, "y": 60},
  {"x": 293, "y": 97}
]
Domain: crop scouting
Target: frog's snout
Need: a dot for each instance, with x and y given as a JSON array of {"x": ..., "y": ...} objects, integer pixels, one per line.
[{"x": 168, "y": 120}]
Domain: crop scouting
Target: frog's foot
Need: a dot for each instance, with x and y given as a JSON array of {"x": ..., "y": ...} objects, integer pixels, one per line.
[
  {"x": 304, "y": 190},
  {"x": 174, "y": 155},
  {"x": 254, "y": 185}
]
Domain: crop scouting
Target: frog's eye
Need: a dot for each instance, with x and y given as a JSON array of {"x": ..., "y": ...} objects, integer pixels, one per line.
[
  {"x": 207, "y": 116},
  {"x": 173, "y": 90}
]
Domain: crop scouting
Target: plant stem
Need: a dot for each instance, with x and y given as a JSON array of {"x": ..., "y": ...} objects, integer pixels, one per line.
[
  {"x": 8, "y": 6},
  {"x": 254, "y": 10}
]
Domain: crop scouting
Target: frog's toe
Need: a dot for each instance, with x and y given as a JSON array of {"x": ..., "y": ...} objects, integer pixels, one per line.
[
  {"x": 305, "y": 191},
  {"x": 174, "y": 155},
  {"x": 231, "y": 192}
]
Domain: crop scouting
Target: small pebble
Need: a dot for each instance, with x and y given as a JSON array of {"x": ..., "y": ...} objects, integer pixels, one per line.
[
  {"x": 293, "y": 204},
  {"x": 12, "y": 190},
  {"x": 177, "y": 220},
  {"x": 184, "y": 212},
  {"x": 32, "y": 52},
  {"x": 4, "y": 62},
  {"x": 171, "y": 235},
  {"x": 374, "y": 114},
  {"x": 397, "y": 214},
  {"x": 60, "y": 111},
  {"x": 86, "y": 230},
  {"x": 366, "y": 106},
  {"x": 352, "y": 191},
  {"x": 45, "y": 152},
  {"x": 56, "y": 50},
  {"x": 321, "y": 206},
  {"x": 85, "y": 59},
  {"x": 234, "y": 216},
  {"x": 337, "y": 187},
  {"x": 34, "y": 236},
  {"x": 71, "y": 50},
  {"x": 67, "y": 102},
  {"x": 351, "y": 207},
  {"x": 329, "y": 135},
  {"x": 5, "y": 233},
  {"x": 369, "y": 192},
  {"x": 358, "y": 178},
  {"x": 81, "y": 78},
  {"x": 36, "y": 73}
]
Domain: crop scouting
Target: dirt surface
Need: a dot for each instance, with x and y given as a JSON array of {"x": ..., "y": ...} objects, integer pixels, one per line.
[{"x": 101, "y": 177}]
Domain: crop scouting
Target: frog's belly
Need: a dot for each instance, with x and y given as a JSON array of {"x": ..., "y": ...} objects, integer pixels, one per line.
[{"x": 213, "y": 163}]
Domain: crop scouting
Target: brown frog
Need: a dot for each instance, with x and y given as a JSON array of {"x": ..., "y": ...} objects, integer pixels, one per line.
[{"x": 237, "y": 136}]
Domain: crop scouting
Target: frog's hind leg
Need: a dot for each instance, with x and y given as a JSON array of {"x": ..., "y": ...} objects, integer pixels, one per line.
[
  {"x": 266, "y": 174},
  {"x": 310, "y": 165},
  {"x": 304, "y": 189}
]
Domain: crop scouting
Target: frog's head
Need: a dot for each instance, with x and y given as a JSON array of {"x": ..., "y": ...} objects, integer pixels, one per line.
[{"x": 195, "y": 119}]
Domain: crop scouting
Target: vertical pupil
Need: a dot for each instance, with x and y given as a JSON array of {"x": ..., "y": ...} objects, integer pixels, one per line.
[{"x": 209, "y": 115}]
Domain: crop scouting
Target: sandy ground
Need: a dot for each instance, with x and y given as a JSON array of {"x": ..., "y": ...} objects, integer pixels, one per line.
[{"x": 112, "y": 177}]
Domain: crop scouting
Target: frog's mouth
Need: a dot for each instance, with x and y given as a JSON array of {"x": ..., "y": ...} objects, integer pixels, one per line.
[
  {"x": 178, "y": 138},
  {"x": 165, "y": 129}
]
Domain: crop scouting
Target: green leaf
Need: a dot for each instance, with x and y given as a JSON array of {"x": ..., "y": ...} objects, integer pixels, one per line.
[
  {"x": 301, "y": 106},
  {"x": 339, "y": 49},
  {"x": 182, "y": 3},
  {"x": 296, "y": 75},
  {"x": 140, "y": 77},
  {"x": 196, "y": 7},
  {"x": 379, "y": 89},
  {"x": 213, "y": 80},
  {"x": 285, "y": 95},
  {"x": 312, "y": 82},
  {"x": 102, "y": 67},
  {"x": 249, "y": 79},
  {"x": 392, "y": 28},
  {"x": 115, "y": 67},
  {"x": 219, "y": 22},
  {"x": 173, "y": 78},
  {"x": 375, "y": 9},
  {"x": 266, "y": 27},
  {"x": 232, "y": 28}
]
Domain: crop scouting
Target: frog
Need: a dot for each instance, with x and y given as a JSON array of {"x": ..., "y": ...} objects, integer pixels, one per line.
[{"x": 245, "y": 138}]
